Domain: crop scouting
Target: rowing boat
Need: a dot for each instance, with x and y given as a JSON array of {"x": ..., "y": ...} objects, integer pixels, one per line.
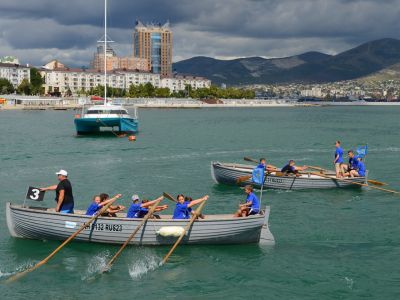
[
  {"x": 229, "y": 173},
  {"x": 45, "y": 224}
]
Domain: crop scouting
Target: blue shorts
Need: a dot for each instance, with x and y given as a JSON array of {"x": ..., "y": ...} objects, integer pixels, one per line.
[
  {"x": 362, "y": 174},
  {"x": 67, "y": 211}
]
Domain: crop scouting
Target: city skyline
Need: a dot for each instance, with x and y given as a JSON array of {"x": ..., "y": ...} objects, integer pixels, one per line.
[{"x": 39, "y": 32}]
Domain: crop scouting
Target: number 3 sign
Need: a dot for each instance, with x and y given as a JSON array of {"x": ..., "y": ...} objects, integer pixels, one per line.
[{"x": 34, "y": 194}]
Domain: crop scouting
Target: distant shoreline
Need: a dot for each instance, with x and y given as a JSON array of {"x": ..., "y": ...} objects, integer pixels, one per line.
[{"x": 199, "y": 105}]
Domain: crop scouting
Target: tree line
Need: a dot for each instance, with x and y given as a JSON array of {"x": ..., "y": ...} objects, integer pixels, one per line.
[{"x": 35, "y": 87}]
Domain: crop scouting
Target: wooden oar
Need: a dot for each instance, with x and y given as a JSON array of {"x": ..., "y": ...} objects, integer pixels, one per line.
[
  {"x": 357, "y": 183},
  {"x": 192, "y": 219},
  {"x": 372, "y": 181},
  {"x": 243, "y": 178},
  {"x": 146, "y": 217},
  {"x": 44, "y": 261},
  {"x": 169, "y": 197}
]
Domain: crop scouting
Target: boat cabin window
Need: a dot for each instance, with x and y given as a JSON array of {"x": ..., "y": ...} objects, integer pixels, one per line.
[{"x": 114, "y": 111}]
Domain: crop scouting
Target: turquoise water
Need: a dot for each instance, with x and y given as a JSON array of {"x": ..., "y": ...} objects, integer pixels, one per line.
[{"x": 333, "y": 244}]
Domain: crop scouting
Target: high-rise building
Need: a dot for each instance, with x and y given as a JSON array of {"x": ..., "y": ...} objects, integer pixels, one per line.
[{"x": 154, "y": 43}]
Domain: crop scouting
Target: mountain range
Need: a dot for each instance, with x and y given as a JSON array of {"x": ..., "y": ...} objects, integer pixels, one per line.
[{"x": 310, "y": 67}]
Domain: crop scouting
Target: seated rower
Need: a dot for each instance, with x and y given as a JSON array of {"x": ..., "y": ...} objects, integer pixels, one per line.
[
  {"x": 139, "y": 210},
  {"x": 181, "y": 209},
  {"x": 360, "y": 170},
  {"x": 190, "y": 211},
  {"x": 346, "y": 168},
  {"x": 263, "y": 165},
  {"x": 113, "y": 209},
  {"x": 97, "y": 204},
  {"x": 291, "y": 168},
  {"x": 252, "y": 205}
]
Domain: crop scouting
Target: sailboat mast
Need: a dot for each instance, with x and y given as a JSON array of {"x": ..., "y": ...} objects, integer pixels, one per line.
[{"x": 105, "y": 51}]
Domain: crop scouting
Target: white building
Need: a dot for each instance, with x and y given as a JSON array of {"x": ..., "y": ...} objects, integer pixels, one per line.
[
  {"x": 14, "y": 73},
  {"x": 179, "y": 82},
  {"x": 314, "y": 92},
  {"x": 63, "y": 79}
]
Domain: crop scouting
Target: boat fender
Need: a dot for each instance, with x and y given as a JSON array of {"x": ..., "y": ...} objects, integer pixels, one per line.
[{"x": 168, "y": 231}]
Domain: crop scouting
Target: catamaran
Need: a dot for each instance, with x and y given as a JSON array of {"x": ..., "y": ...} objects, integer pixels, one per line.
[{"x": 108, "y": 116}]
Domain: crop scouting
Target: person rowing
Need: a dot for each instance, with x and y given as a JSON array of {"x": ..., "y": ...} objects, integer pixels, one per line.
[
  {"x": 181, "y": 209},
  {"x": 139, "y": 210},
  {"x": 113, "y": 209},
  {"x": 190, "y": 210},
  {"x": 252, "y": 205},
  {"x": 97, "y": 204},
  {"x": 64, "y": 197},
  {"x": 291, "y": 168},
  {"x": 359, "y": 169},
  {"x": 351, "y": 165},
  {"x": 263, "y": 165}
]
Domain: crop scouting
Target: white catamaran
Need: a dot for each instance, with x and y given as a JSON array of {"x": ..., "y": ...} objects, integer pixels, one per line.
[{"x": 107, "y": 116}]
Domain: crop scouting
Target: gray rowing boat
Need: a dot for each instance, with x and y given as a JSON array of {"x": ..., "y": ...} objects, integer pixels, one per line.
[
  {"x": 46, "y": 224},
  {"x": 229, "y": 173}
]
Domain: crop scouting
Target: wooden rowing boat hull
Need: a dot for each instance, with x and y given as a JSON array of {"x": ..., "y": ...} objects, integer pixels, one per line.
[
  {"x": 45, "y": 224},
  {"x": 229, "y": 173}
]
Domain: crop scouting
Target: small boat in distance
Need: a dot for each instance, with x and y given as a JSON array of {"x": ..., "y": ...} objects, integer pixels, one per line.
[
  {"x": 98, "y": 118},
  {"x": 240, "y": 174},
  {"x": 42, "y": 223}
]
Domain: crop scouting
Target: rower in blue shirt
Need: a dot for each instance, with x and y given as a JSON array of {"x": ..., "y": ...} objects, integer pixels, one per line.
[
  {"x": 182, "y": 207},
  {"x": 263, "y": 165},
  {"x": 351, "y": 165},
  {"x": 338, "y": 161},
  {"x": 139, "y": 210},
  {"x": 252, "y": 205},
  {"x": 359, "y": 168},
  {"x": 96, "y": 205}
]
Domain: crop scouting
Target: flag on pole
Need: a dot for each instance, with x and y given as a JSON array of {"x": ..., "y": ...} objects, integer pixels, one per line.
[
  {"x": 362, "y": 151},
  {"x": 258, "y": 175},
  {"x": 34, "y": 194}
]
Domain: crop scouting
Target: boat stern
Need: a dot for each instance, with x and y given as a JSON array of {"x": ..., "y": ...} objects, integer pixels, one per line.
[{"x": 10, "y": 221}]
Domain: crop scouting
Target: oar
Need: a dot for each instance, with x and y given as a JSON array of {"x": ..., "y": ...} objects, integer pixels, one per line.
[
  {"x": 146, "y": 217},
  {"x": 357, "y": 183},
  {"x": 372, "y": 181},
  {"x": 44, "y": 261},
  {"x": 243, "y": 178},
  {"x": 192, "y": 219},
  {"x": 169, "y": 197}
]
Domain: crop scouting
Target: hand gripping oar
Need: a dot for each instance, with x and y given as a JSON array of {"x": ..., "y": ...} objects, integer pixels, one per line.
[
  {"x": 371, "y": 181},
  {"x": 192, "y": 219},
  {"x": 146, "y": 217},
  {"x": 357, "y": 183},
  {"x": 42, "y": 262}
]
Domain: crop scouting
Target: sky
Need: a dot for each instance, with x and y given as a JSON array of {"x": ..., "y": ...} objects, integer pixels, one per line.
[{"x": 37, "y": 31}]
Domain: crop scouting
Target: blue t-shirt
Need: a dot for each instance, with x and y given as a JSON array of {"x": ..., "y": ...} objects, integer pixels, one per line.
[
  {"x": 361, "y": 168},
  {"x": 181, "y": 211},
  {"x": 255, "y": 204},
  {"x": 93, "y": 209},
  {"x": 339, "y": 152},
  {"x": 261, "y": 166},
  {"x": 136, "y": 211}
]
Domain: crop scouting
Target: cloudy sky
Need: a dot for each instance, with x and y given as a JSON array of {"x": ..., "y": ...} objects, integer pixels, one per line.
[{"x": 37, "y": 31}]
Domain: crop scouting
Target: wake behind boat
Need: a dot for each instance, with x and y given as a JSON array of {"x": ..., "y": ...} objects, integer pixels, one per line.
[
  {"x": 230, "y": 173},
  {"x": 99, "y": 118},
  {"x": 46, "y": 224}
]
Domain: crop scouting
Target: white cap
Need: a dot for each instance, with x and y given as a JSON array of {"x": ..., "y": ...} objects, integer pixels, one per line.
[
  {"x": 135, "y": 197},
  {"x": 62, "y": 172}
]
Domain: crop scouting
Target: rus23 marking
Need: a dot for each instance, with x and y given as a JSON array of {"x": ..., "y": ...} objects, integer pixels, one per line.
[{"x": 104, "y": 227}]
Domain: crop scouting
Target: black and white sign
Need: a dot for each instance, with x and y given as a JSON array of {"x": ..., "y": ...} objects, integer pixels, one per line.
[{"x": 34, "y": 194}]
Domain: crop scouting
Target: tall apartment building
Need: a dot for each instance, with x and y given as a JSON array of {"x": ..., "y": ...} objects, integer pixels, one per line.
[
  {"x": 154, "y": 43},
  {"x": 114, "y": 62}
]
